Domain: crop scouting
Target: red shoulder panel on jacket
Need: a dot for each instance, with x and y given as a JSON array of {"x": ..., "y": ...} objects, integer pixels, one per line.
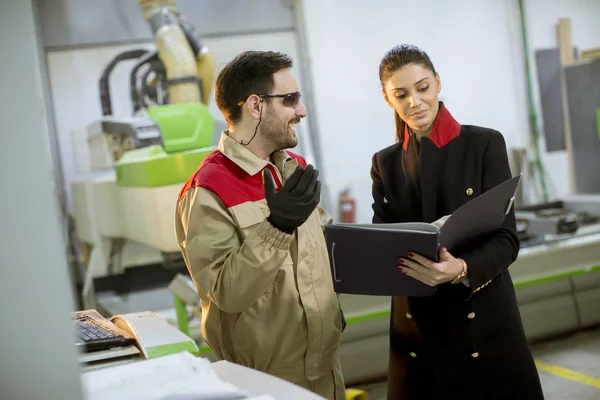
[
  {"x": 445, "y": 128},
  {"x": 227, "y": 180}
]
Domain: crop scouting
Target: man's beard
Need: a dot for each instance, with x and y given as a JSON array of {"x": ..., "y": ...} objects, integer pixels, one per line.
[{"x": 278, "y": 132}]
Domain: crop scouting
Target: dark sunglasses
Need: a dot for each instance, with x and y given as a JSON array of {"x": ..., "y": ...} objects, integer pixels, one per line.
[{"x": 289, "y": 99}]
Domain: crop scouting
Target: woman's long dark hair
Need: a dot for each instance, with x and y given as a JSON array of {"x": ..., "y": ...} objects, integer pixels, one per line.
[
  {"x": 394, "y": 59},
  {"x": 400, "y": 127}
]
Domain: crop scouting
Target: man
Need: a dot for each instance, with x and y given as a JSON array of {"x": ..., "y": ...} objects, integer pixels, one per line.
[{"x": 250, "y": 228}]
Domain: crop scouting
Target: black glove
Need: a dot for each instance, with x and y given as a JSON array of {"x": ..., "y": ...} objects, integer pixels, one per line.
[{"x": 297, "y": 199}]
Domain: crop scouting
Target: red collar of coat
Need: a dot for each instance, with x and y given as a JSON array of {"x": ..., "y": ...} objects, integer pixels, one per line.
[{"x": 445, "y": 128}]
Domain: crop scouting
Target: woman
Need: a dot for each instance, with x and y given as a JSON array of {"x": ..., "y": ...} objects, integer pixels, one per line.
[{"x": 467, "y": 341}]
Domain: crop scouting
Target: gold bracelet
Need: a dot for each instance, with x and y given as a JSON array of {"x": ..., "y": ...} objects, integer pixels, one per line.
[{"x": 462, "y": 275}]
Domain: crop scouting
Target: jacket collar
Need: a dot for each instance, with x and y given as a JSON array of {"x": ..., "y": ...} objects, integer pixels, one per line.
[
  {"x": 245, "y": 159},
  {"x": 445, "y": 128}
]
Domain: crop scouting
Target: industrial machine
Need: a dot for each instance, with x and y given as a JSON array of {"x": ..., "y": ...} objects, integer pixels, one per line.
[{"x": 148, "y": 155}]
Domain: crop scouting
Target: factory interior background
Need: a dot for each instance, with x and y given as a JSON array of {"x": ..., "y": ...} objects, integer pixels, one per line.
[{"x": 74, "y": 239}]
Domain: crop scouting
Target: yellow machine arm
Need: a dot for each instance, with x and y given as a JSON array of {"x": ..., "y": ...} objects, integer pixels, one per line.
[{"x": 190, "y": 67}]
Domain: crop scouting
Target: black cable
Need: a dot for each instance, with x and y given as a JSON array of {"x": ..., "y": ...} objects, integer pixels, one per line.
[
  {"x": 104, "y": 83},
  {"x": 136, "y": 95},
  {"x": 255, "y": 130}
]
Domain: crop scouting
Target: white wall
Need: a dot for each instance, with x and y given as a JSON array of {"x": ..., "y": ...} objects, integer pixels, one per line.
[
  {"x": 474, "y": 44},
  {"x": 37, "y": 356}
]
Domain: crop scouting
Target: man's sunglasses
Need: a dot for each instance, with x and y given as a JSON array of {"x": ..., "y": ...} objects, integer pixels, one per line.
[{"x": 289, "y": 99}]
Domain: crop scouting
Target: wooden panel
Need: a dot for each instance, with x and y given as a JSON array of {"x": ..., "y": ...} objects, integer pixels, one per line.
[{"x": 565, "y": 49}]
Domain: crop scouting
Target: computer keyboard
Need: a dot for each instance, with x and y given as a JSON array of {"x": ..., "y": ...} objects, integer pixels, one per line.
[{"x": 94, "y": 334}]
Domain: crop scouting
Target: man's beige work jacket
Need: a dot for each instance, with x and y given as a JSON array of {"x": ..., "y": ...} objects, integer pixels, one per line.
[{"x": 267, "y": 297}]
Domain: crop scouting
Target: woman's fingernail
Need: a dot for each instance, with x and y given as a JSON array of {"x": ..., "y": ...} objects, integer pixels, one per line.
[
  {"x": 400, "y": 268},
  {"x": 410, "y": 254},
  {"x": 401, "y": 261}
]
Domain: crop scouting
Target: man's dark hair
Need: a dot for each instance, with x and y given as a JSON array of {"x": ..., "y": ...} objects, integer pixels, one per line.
[{"x": 250, "y": 72}]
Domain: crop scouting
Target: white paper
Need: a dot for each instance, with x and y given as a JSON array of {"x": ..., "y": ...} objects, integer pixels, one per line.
[
  {"x": 263, "y": 397},
  {"x": 180, "y": 376}
]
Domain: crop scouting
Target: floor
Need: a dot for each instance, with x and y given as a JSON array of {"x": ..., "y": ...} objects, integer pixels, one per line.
[{"x": 569, "y": 368}]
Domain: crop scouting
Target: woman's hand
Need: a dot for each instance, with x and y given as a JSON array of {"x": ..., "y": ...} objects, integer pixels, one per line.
[{"x": 429, "y": 272}]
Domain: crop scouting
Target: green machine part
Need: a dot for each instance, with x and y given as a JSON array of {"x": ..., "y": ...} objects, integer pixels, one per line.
[{"x": 187, "y": 132}]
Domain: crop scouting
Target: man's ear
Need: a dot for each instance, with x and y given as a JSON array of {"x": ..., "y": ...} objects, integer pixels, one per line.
[{"x": 253, "y": 106}]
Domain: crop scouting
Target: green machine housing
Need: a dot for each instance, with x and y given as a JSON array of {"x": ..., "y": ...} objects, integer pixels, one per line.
[{"x": 187, "y": 134}]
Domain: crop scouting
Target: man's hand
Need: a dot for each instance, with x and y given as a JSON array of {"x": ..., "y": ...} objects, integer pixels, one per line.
[
  {"x": 297, "y": 199},
  {"x": 429, "y": 272}
]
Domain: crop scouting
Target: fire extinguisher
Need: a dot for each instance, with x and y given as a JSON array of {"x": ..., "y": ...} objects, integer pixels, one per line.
[{"x": 347, "y": 207}]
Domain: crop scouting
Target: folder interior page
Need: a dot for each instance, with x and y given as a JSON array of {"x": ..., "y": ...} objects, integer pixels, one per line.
[{"x": 399, "y": 226}]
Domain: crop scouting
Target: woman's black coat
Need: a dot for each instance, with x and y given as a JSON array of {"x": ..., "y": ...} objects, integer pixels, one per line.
[{"x": 464, "y": 342}]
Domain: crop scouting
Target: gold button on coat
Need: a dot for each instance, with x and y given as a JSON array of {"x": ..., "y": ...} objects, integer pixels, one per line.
[
  {"x": 475, "y": 355},
  {"x": 471, "y": 315},
  {"x": 413, "y": 355},
  {"x": 469, "y": 192},
  {"x": 408, "y": 316}
]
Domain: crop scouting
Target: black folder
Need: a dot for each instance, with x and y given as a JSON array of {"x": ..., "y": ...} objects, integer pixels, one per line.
[{"x": 364, "y": 257}]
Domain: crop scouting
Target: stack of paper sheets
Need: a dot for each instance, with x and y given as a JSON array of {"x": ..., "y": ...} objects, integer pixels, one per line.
[{"x": 180, "y": 376}]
